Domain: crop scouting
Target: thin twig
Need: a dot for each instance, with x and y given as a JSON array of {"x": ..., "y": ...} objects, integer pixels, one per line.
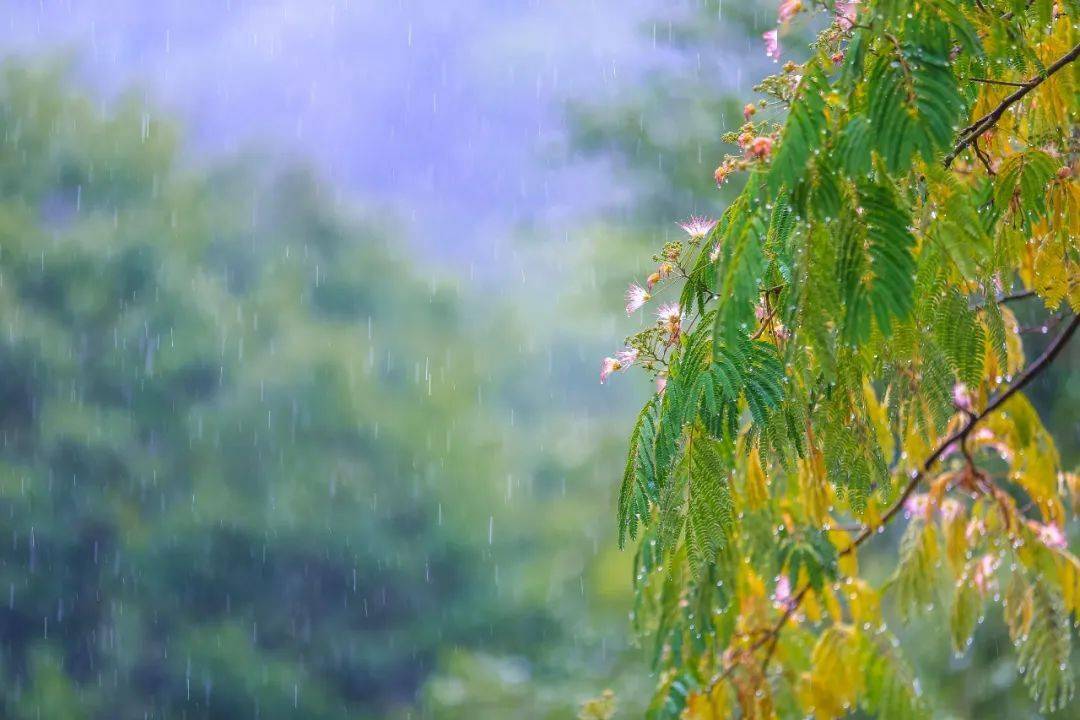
[
  {"x": 1052, "y": 322},
  {"x": 983, "y": 157},
  {"x": 764, "y": 324},
  {"x": 1013, "y": 297},
  {"x": 1006, "y": 298},
  {"x": 969, "y": 134},
  {"x": 991, "y": 81}
]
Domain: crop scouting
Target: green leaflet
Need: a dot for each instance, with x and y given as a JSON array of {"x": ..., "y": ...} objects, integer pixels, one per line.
[
  {"x": 803, "y": 130},
  {"x": 852, "y": 456},
  {"x": 740, "y": 267},
  {"x": 889, "y": 251},
  {"x": 1024, "y": 175},
  {"x": 812, "y": 552},
  {"x": 960, "y": 335},
  {"x": 711, "y": 507},
  {"x": 752, "y": 370},
  {"x": 826, "y": 191},
  {"x": 957, "y": 227},
  {"x": 936, "y": 385},
  {"x": 820, "y": 298},
  {"x": 670, "y": 702},
  {"x": 890, "y": 685},
  {"x": 875, "y": 267},
  {"x": 850, "y": 268},
  {"x": 781, "y": 225},
  {"x": 633, "y": 496},
  {"x": 964, "y": 615},
  {"x": 671, "y": 515},
  {"x": 963, "y": 31},
  {"x": 995, "y": 325},
  {"x": 1045, "y": 649},
  {"x": 854, "y": 145},
  {"x": 915, "y": 575},
  {"x": 913, "y": 102}
]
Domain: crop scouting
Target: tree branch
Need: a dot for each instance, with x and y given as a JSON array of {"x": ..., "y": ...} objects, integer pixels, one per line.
[
  {"x": 991, "y": 81},
  {"x": 1015, "y": 296},
  {"x": 1040, "y": 364},
  {"x": 1005, "y": 299},
  {"x": 972, "y": 132},
  {"x": 1032, "y": 371}
]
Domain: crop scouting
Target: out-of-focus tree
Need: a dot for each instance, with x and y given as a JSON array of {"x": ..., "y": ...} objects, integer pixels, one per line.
[{"x": 245, "y": 464}]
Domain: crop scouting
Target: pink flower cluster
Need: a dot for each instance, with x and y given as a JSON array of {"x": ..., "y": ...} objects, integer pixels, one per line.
[
  {"x": 962, "y": 398},
  {"x": 918, "y": 506},
  {"x": 845, "y": 11},
  {"x": 622, "y": 360},
  {"x": 1049, "y": 534}
]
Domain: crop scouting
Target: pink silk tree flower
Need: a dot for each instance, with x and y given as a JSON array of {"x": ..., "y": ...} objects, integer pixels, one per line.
[
  {"x": 1049, "y": 534},
  {"x": 622, "y": 360},
  {"x": 951, "y": 509},
  {"x": 845, "y": 13},
  {"x": 788, "y": 9},
  {"x": 761, "y": 147},
  {"x": 636, "y": 297},
  {"x": 772, "y": 44},
  {"x": 962, "y": 398},
  {"x": 697, "y": 226},
  {"x": 670, "y": 318},
  {"x": 714, "y": 254},
  {"x": 918, "y": 505},
  {"x": 782, "y": 596}
]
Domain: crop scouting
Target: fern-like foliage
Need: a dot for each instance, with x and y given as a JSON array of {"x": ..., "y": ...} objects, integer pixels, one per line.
[
  {"x": 843, "y": 358},
  {"x": 712, "y": 509},
  {"x": 960, "y": 336},
  {"x": 1045, "y": 648},
  {"x": 890, "y": 688}
]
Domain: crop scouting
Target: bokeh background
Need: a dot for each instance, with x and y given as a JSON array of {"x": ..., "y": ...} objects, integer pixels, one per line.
[{"x": 302, "y": 304}]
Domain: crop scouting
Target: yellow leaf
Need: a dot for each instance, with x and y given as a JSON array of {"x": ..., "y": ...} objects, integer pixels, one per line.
[
  {"x": 1049, "y": 274},
  {"x": 1072, "y": 485},
  {"x": 813, "y": 487},
  {"x": 712, "y": 706},
  {"x": 832, "y": 686},
  {"x": 1069, "y": 577},
  {"x": 879, "y": 418},
  {"x": 954, "y": 530},
  {"x": 864, "y": 603},
  {"x": 757, "y": 490},
  {"x": 832, "y": 604}
]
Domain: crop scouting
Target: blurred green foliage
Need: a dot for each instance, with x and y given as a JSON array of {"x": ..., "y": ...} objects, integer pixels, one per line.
[{"x": 243, "y": 468}]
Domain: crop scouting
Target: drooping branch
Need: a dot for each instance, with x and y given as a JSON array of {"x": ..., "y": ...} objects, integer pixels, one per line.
[
  {"x": 1040, "y": 364},
  {"x": 975, "y": 130},
  {"x": 1032, "y": 371}
]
